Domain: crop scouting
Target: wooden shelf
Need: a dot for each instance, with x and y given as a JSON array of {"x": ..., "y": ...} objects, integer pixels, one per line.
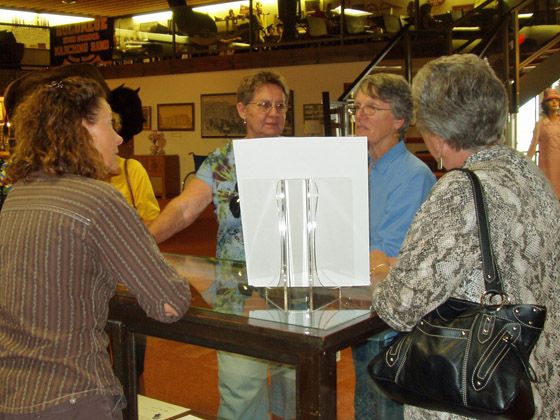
[{"x": 163, "y": 171}]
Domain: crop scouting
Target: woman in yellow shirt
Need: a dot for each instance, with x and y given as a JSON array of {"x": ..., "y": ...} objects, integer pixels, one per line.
[{"x": 135, "y": 186}]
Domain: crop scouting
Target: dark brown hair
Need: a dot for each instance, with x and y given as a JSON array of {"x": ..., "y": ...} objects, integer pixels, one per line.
[{"x": 18, "y": 89}]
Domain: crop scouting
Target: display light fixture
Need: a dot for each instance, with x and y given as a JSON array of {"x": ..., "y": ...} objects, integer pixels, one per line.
[
  {"x": 235, "y": 5},
  {"x": 152, "y": 17},
  {"x": 8, "y": 16}
]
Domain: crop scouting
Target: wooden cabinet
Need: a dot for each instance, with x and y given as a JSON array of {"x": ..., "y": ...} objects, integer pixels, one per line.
[{"x": 163, "y": 171}]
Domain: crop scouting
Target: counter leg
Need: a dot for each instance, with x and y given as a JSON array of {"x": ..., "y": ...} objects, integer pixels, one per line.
[
  {"x": 122, "y": 346},
  {"x": 316, "y": 389}
]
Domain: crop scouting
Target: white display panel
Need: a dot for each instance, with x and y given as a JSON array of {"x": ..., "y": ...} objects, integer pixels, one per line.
[{"x": 317, "y": 188}]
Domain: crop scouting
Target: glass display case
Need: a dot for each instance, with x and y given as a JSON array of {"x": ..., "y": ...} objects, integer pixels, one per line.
[{"x": 226, "y": 314}]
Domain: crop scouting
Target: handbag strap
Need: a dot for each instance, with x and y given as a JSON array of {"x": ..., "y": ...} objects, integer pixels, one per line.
[
  {"x": 492, "y": 282},
  {"x": 126, "y": 176}
]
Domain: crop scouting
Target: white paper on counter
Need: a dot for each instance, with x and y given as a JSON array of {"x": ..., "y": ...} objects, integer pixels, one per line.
[
  {"x": 337, "y": 166},
  {"x": 152, "y": 409}
]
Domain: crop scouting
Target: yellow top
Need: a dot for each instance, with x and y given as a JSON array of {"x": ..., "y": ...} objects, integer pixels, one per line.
[{"x": 145, "y": 201}]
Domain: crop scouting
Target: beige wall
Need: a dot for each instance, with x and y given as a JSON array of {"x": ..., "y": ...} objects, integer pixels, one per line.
[{"x": 307, "y": 82}]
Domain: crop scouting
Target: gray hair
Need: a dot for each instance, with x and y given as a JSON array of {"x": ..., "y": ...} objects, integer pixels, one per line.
[
  {"x": 460, "y": 99},
  {"x": 394, "y": 90},
  {"x": 249, "y": 85}
]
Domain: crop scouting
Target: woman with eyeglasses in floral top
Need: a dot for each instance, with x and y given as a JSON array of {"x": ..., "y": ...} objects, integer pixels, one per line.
[{"x": 262, "y": 105}]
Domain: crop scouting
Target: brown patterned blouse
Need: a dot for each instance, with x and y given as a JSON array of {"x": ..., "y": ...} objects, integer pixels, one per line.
[{"x": 65, "y": 242}]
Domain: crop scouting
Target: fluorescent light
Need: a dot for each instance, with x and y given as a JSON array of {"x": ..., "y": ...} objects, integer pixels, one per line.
[
  {"x": 214, "y": 9},
  {"x": 40, "y": 19},
  {"x": 467, "y": 28},
  {"x": 525, "y": 15},
  {"x": 57, "y": 20},
  {"x": 153, "y": 17},
  {"x": 351, "y": 12},
  {"x": 8, "y": 16}
]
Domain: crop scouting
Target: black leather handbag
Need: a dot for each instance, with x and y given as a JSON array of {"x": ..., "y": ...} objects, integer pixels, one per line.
[{"x": 464, "y": 357}]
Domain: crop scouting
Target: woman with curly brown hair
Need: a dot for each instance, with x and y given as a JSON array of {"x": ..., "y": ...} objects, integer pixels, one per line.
[{"x": 68, "y": 237}]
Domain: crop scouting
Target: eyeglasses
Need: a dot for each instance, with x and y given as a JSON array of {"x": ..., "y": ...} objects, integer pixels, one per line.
[
  {"x": 368, "y": 110},
  {"x": 234, "y": 203},
  {"x": 266, "y": 106}
]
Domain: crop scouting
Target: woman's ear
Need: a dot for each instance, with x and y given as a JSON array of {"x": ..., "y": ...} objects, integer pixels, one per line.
[
  {"x": 398, "y": 124},
  {"x": 242, "y": 110}
]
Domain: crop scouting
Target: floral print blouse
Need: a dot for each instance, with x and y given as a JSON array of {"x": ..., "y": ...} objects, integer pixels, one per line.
[{"x": 218, "y": 171}]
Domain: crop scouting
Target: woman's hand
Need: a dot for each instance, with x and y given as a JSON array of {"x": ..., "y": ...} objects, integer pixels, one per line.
[
  {"x": 380, "y": 265},
  {"x": 169, "y": 311}
]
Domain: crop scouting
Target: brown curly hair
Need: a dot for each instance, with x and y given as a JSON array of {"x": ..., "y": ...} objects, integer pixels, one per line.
[{"x": 50, "y": 136}]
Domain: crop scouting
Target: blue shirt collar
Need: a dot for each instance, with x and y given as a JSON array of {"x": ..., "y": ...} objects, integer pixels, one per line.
[{"x": 385, "y": 161}]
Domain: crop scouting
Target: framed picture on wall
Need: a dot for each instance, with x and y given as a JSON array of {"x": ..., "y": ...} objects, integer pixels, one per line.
[
  {"x": 312, "y": 5},
  {"x": 219, "y": 117},
  {"x": 313, "y": 120},
  {"x": 289, "y": 126},
  {"x": 147, "y": 114},
  {"x": 175, "y": 117}
]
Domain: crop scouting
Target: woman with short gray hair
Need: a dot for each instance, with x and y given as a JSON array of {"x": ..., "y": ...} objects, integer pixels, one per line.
[
  {"x": 398, "y": 184},
  {"x": 461, "y": 113},
  {"x": 394, "y": 90},
  {"x": 468, "y": 118}
]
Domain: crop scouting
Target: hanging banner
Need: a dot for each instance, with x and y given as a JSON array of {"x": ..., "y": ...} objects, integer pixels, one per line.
[{"x": 87, "y": 42}]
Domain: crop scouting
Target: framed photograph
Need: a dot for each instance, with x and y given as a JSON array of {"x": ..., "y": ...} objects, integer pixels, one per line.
[
  {"x": 312, "y": 5},
  {"x": 175, "y": 117},
  {"x": 313, "y": 120},
  {"x": 147, "y": 114},
  {"x": 219, "y": 117},
  {"x": 289, "y": 126}
]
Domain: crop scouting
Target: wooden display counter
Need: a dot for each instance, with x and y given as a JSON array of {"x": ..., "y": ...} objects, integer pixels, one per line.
[
  {"x": 163, "y": 171},
  {"x": 254, "y": 328}
]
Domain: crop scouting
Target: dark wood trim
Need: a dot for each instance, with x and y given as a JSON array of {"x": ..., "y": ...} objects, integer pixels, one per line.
[
  {"x": 247, "y": 60},
  {"x": 312, "y": 352}
]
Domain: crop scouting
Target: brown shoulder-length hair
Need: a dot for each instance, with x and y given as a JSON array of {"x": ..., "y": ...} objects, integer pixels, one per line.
[{"x": 49, "y": 131}]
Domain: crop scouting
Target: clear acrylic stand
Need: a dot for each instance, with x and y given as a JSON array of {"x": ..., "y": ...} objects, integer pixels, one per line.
[{"x": 297, "y": 201}]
